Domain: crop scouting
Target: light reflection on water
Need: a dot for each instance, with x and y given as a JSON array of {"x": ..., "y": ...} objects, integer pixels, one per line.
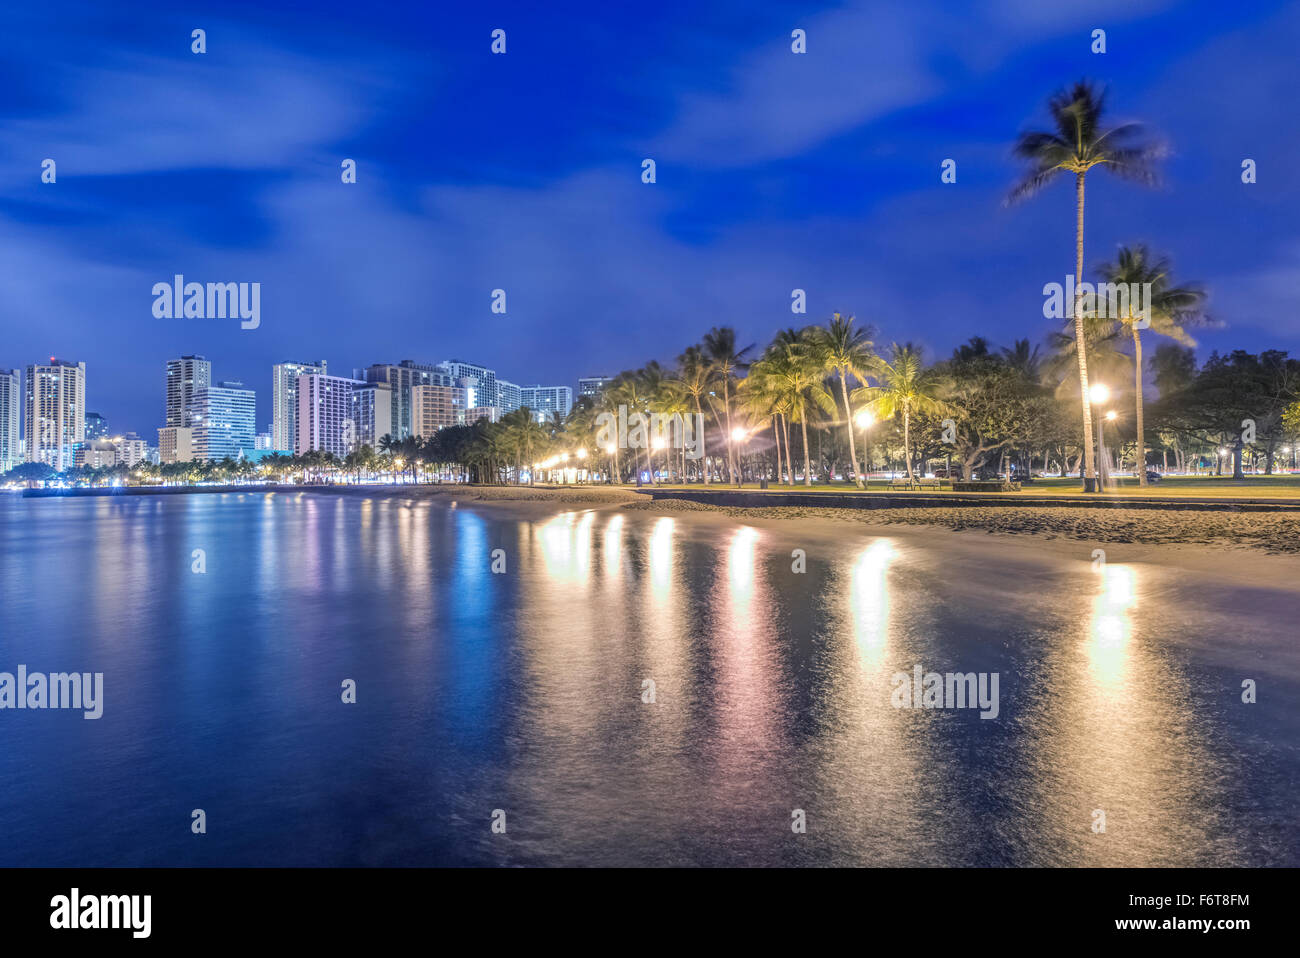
[{"x": 528, "y": 691}]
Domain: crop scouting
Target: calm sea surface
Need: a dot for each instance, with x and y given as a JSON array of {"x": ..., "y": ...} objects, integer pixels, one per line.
[{"x": 1120, "y": 691}]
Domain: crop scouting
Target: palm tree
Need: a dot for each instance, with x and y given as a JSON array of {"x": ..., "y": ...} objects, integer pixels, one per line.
[
  {"x": 906, "y": 386},
  {"x": 847, "y": 352},
  {"x": 1077, "y": 144},
  {"x": 794, "y": 371},
  {"x": 1169, "y": 307},
  {"x": 720, "y": 348},
  {"x": 694, "y": 381}
]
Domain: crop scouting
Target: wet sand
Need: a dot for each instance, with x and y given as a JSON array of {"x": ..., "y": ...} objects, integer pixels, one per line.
[{"x": 1270, "y": 533}]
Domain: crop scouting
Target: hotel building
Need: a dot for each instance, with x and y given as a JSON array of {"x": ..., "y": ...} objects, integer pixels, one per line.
[
  {"x": 328, "y": 408},
  {"x": 184, "y": 377},
  {"x": 372, "y": 413},
  {"x": 592, "y": 385},
  {"x": 544, "y": 400},
  {"x": 402, "y": 378},
  {"x": 54, "y": 414},
  {"x": 224, "y": 421},
  {"x": 284, "y": 400},
  {"x": 175, "y": 444},
  {"x": 479, "y": 381},
  {"x": 11, "y": 417}
]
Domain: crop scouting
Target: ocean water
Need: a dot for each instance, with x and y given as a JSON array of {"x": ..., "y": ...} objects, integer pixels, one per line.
[{"x": 632, "y": 689}]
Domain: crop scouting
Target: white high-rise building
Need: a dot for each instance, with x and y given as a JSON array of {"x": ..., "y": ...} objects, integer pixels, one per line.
[
  {"x": 225, "y": 418},
  {"x": 592, "y": 385},
  {"x": 184, "y": 376},
  {"x": 284, "y": 401},
  {"x": 480, "y": 381},
  {"x": 508, "y": 396},
  {"x": 11, "y": 417},
  {"x": 544, "y": 400},
  {"x": 54, "y": 412},
  {"x": 326, "y": 417},
  {"x": 131, "y": 450}
]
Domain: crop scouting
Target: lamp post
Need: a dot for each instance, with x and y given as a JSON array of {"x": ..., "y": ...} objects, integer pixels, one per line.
[
  {"x": 864, "y": 420},
  {"x": 738, "y": 436},
  {"x": 1099, "y": 394}
]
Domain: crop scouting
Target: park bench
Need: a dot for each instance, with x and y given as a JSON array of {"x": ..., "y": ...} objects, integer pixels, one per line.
[
  {"x": 902, "y": 482},
  {"x": 930, "y": 483}
]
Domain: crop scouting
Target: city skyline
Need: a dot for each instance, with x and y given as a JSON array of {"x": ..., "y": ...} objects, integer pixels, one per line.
[{"x": 837, "y": 196}]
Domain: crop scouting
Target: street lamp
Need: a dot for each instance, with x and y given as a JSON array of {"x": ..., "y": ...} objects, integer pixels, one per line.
[
  {"x": 1099, "y": 393},
  {"x": 864, "y": 420},
  {"x": 739, "y": 435}
]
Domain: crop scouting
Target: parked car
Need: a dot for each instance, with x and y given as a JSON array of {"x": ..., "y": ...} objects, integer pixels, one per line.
[{"x": 1153, "y": 476}]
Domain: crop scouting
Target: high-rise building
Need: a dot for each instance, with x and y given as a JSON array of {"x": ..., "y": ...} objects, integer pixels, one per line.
[
  {"x": 224, "y": 421},
  {"x": 372, "y": 413},
  {"x": 131, "y": 450},
  {"x": 262, "y": 441},
  {"x": 96, "y": 426},
  {"x": 403, "y": 377},
  {"x": 95, "y": 454},
  {"x": 436, "y": 407},
  {"x": 184, "y": 377},
  {"x": 54, "y": 412},
  {"x": 544, "y": 400},
  {"x": 480, "y": 381},
  {"x": 11, "y": 417},
  {"x": 325, "y": 415},
  {"x": 175, "y": 444},
  {"x": 592, "y": 385},
  {"x": 508, "y": 396},
  {"x": 284, "y": 400}
]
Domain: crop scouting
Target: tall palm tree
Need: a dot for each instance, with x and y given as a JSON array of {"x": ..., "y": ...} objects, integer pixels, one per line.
[
  {"x": 1170, "y": 307},
  {"x": 845, "y": 352},
  {"x": 720, "y": 348},
  {"x": 1076, "y": 145},
  {"x": 694, "y": 379},
  {"x": 794, "y": 371},
  {"x": 907, "y": 386}
]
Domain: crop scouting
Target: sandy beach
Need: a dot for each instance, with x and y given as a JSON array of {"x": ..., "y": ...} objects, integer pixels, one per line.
[{"x": 1271, "y": 533}]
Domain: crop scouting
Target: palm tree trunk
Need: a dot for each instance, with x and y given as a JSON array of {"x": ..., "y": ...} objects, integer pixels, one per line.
[
  {"x": 704, "y": 456},
  {"x": 1141, "y": 434},
  {"x": 731, "y": 451},
  {"x": 1089, "y": 454},
  {"x": 907, "y": 441},
  {"x": 853, "y": 449},
  {"x": 807, "y": 463},
  {"x": 789, "y": 455},
  {"x": 776, "y": 434}
]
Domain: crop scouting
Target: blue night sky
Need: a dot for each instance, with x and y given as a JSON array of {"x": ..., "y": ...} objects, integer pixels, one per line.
[{"x": 522, "y": 171}]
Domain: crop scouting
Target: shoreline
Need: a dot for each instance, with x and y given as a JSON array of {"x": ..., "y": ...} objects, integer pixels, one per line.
[{"x": 1274, "y": 532}]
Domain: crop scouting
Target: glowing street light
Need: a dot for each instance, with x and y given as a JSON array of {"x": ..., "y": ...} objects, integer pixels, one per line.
[
  {"x": 738, "y": 435},
  {"x": 865, "y": 420},
  {"x": 1099, "y": 393},
  {"x": 1110, "y": 416},
  {"x": 582, "y": 454}
]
